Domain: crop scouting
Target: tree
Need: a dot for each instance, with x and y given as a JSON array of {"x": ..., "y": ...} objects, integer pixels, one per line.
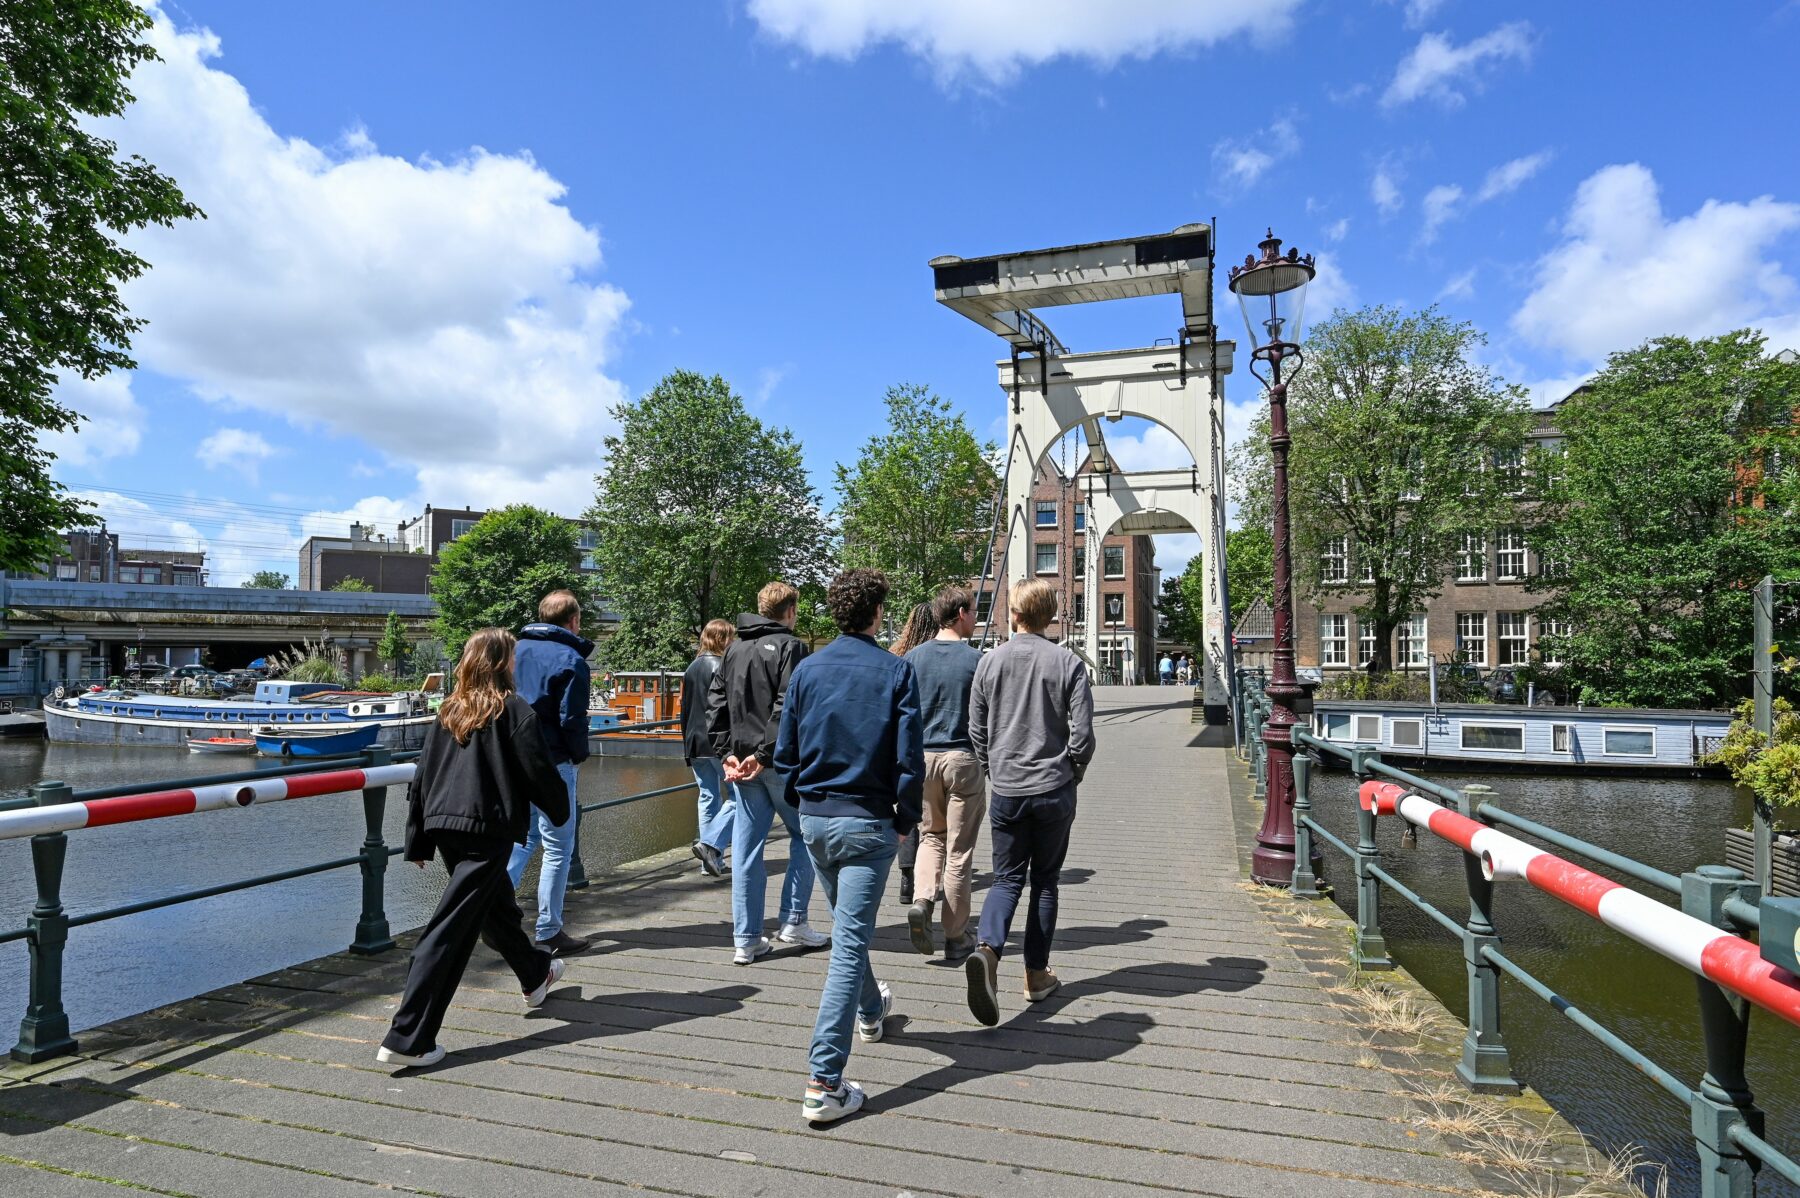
[
  {"x": 393, "y": 647},
  {"x": 352, "y": 583},
  {"x": 1178, "y": 619},
  {"x": 912, "y": 504},
  {"x": 1402, "y": 445},
  {"x": 65, "y": 196},
  {"x": 266, "y": 580},
  {"x": 700, "y": 505},
  {"x": 1249, "y": 566},
  {"x": 493, "y": 575},
  {"x": 1666, "y": 501}
]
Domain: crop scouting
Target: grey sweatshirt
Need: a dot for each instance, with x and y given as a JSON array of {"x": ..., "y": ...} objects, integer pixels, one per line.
[{"x": 1031, "y": 716}]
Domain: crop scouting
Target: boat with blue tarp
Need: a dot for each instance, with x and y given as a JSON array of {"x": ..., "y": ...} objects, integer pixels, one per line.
[{"x": 315, "y": 742}]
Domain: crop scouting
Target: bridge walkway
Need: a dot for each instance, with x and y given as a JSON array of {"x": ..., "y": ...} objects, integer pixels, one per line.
[{"x": 1191, "y": 1050}]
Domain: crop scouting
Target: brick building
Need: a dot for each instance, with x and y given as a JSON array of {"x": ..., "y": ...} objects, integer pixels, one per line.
[{"x": 95, "y": 555}]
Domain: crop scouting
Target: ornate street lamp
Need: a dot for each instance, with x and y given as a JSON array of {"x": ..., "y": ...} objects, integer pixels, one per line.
[{"x": 1272, "y": 292}]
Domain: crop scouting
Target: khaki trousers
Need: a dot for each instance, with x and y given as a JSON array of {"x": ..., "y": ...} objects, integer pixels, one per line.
[{"x": 955, "y": 806}]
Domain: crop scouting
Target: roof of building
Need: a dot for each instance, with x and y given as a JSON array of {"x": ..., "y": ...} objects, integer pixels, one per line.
[{"x": 1257, "y": 622}]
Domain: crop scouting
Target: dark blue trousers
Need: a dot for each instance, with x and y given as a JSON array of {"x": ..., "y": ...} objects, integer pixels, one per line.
[{"x": 1030, "y": 838}]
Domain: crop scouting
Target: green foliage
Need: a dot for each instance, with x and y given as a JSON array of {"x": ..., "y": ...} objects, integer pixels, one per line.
[
  {"x": 812, "y": 618},
  {"x": 493, "y": 575},
  {"x": 1771, "y": 771},
  {"x": 353, "y": 584},
  {"x": 266, "y": 580},
  {"x": 424, "y": 658},
  {"x": 1389, "y": 688},
  {"x": 65, "y": 197},
  {"x": 393, "y": 647},
  {"x": 700, "y": 505},
  {"x": 1395, "y": 427},
  {"x": 1660, "y": 516},
  {"x": 1178, "y": 619},
  {"x": 381, "y": 682},
  {"x": 912, "y": 504},
  {"x": 312, "y": 661},
  {"x": 1249, "y": 566}
]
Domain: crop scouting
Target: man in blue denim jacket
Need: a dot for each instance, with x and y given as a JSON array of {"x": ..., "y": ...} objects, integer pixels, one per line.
[{"x": 852, "y": 747}]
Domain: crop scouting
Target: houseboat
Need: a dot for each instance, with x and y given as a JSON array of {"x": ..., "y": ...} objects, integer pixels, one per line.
[
  {"x": 1492, "y": 736},
  {"x": 638, "y": 697},
  {"x": 124, "y": 717}
]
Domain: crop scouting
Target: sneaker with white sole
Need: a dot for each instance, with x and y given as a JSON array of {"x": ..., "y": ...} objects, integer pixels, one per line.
[
  {"x": 870, "y": 1031},
  {"x": 828, "y": 1106},
  {"x": 535, "y": 998},
  {"x": 407, "y": 1060},
  {"x": 802, "y": 934},
  {"x": 747, "y": 953}
]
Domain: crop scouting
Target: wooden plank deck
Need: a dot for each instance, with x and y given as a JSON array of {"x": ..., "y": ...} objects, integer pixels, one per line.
[{"x": 1191, "y": 1050}]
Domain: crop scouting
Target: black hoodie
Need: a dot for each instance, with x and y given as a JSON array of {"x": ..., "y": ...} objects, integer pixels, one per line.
[{"x": 743, "y": 704}]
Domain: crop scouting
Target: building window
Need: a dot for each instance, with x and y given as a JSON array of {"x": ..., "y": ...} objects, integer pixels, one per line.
[
  {"x": 1335, "y": 565},
  {"x": 1081, "y": 517},
  {"x": 1504, "y": 738},
  {"x": 1115, "y": 609},
  {"x": 1365, "y": 643},
  {"x": 1509, "y": 554},
  {"x": 1515, "y": 645},
  {"x": 1080, "y": 608},
  {"x": 186, "y": 578},
  {"x": 1509, "y": 467},
  {"x": 151, "y": 575},
  {"x": 1080, "y": 562},
  {"x": 1112, "y": 559},
  {"x": 128, "y": 574},
  {"x": 1046, "y": 558},
  {"x": 984, "y": 606},
  {"x": 1413, "y": 648},
  {"x": 1471, "y": 637},
  {"x": 1365, "y": 564},
  {"x": 65, "y": 572},
  {"x": 1552, "y": 636},
  {"x": 1629, "y": 742},
  {"x": 1334, "y": 632},
  {"x": 460, "y": 527},
  {"x": 93, "y": 573},
  {"x": 1046, "y": 513},
  {"x": 1471, "y": 559},
  {"x": 589, "y": 539}
]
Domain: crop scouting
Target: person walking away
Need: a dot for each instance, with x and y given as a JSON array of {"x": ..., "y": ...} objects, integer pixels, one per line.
[
  {"x": 712, "y": 833},
  {"x": 920, "y": 627},
  {"x": 482, "y": 772},
  {"x": 1166, "y": 669},
  {"x": 851, "y": 748},
  {"x": 553, "y": 676},
  {"x": 743, "y": 714},
  {"x": 955, "y": 798},
  {"x": 1031, "y": 722}
]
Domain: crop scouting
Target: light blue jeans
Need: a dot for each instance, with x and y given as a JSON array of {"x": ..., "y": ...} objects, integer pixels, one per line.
[
  {"x": 757, "y": 802},
  {"x": 559, "y": 849},
  {"x": 717, "y": 805},
  {"x": 852, "y": 855}
]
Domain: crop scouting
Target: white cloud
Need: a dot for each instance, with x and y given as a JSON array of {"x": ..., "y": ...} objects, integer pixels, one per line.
[
  {"x": 1438, "y": 206},
  {"x": 1624, "y": 273},
  {"x": 113, "y": 424},
  {"x": 1419, "y": 11},
  {"x": 996, "y": 39},
  {"x": 1508, "y": 177},
  {"x": 235, "y": 449},
  {"x": 1328, "y": 291},
  {"x": 1153, "y": 447},
  {"x": 767, "y": 379},
  {"x": 1238, "y": 164},
  {"x": 1460, "y": 287},
  {"x": 1439, "y": 68},
  {"x": 1338, "y": 229},
  {"x": 1174, "y": 550},
  {"x": 440, "y": 310},
  {"x": 1384, "y": 189},
  {"x": 1445, "y": 202}
]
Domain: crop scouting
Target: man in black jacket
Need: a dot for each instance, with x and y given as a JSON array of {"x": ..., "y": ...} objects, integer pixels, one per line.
[{"x": 743, "y": 714}]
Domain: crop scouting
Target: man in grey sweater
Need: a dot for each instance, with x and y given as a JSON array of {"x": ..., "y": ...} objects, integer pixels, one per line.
[{"x": 1031, "y": 722}]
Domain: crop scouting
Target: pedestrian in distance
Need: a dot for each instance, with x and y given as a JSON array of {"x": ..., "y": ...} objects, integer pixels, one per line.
[
  {"x": 1165, "y": 669},
  {"x": 1031, "y": 722},
  {"x": 552, "y": 675},
  {"x": 712, "y": 835},
  {"x": 920, "y": 627},
  {"x": 743, "y": 714},
  {"x": 955, "y": 795},
  {"x": 852, "y": 751},
  {"x": 482, "y": 774}
]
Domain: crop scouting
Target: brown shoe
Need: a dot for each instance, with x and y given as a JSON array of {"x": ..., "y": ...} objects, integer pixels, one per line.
[
  {"x": 983, "y": 969},
  {"x": 1041, "y": 984}
]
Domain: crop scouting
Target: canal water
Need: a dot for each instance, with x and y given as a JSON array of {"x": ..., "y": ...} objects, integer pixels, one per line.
[
  {"x": 123, "y": 966},
  {"x": 1673, "y": 824}
]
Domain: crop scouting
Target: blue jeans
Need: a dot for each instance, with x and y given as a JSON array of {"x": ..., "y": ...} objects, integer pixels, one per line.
[
  {"x": 559, "y": 849},
  {"x": 757, "y": 802},
  {"x": 852, "y": 855},
  {"x": 716, "y": 803},
  {"x": 1031, "y": 838}
]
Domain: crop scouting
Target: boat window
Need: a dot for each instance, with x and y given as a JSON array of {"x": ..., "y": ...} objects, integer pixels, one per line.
[
  {"x": 1502, "y": 737},
  {"x": 1562, "y": 738},
  {"x": 1368, "y": 728},
  {"x": 1408, "y": 734},
  {"x": 1336, "y": 724},
  {"x": 1630, "y": 742}
]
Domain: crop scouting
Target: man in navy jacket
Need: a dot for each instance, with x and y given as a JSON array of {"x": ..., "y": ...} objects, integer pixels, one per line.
[
  {"x": 852, "y": 748},
  {"x": 550, "y": 672}
]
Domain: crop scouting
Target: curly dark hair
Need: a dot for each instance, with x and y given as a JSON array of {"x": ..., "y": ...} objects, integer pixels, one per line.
[{"x": 854, "y": 597}]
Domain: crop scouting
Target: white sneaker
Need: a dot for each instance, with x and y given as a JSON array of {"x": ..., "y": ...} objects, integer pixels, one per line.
[
  {"x": 535, "y": 998},
  {"x": 403, "y": 1060},
  {"x": 870, "y": 1031},
  {"x": 828, "y": 1106},
  {"x": 747, "y": 953},
  {"x": 802, "y": 934}
]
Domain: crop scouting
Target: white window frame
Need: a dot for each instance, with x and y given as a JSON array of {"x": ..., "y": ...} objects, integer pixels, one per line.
[
  {"x": 460, "y": 527},
  {"x": 1568, "y": 738},
  {"x": 1509, "y": 555},
  {"x": 1334, "y": 561},
  {"x": 131, "y": 570},
  {"x": 1042, "y": 508},
  {"x": 1078, "y": 561},
  {"x": 67, "y": 572},
  {"x": 1325, "y": 719},
  {"x": 1462, "y": 735},
  {"x": 1329, "y": 659},
  {"x": 1607, "y": 750},
  {"x": 1080, "y": 521},
  {"x": 1509, "y": 467},
  {"x": 1365, "y": 643},
  {"x": 1463, "y": 639},
  {"x": 1515, "y": 649},
  {"x": 1105, "y": 569},
  {"x": 1080, "y": 603},
  {"x": 1037, "y": 557},
  {"x": 1418, "y": 727},
  {"x": 1553, "y": 628},
  {"x": 1471, "y": 558},
  {"x": 1415, "y": 650},
  {"x": 1367, "y": 727}
]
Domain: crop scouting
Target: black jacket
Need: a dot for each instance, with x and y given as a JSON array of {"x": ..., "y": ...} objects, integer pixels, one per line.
[
  {"x": 743, "y": 706},
  {"x": 486, "y": 787},
  {"x": 551, "y": 672},
  {"x": 696, "y": 682}
]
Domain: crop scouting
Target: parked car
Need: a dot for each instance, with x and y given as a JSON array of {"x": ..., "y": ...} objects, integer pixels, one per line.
[
  {"x": 1503, "y": 686},
  {"x": 200, "y": 680}
]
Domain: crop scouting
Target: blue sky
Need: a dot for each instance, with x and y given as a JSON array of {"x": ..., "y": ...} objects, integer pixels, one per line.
[{"x": 439, "y": 249}]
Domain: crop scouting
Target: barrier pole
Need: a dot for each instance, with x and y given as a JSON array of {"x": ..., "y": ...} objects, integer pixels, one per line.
[
  {"x": 1305, "y": 883},
  {"x": 1486, "y": 1066},
  {"x": 1371, "y": 953},
  {"x": 44, "y": 1032},
  {"x": 1723, "y": 1098},
  {"x": 372, "y": 932}
]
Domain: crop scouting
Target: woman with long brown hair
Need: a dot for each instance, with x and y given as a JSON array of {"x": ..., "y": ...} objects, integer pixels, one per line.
[{"x": 483, "y": 768}]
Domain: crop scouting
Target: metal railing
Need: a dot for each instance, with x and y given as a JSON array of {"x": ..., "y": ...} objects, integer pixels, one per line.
[
  {"x": 1726, "y": 1123},
  {"x": 44, "y": 1031}
]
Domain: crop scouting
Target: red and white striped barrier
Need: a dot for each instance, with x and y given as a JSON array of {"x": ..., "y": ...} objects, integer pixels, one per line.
[
  {"x": 1729, "y": 960},
  {"x": 129, "y": 809}
]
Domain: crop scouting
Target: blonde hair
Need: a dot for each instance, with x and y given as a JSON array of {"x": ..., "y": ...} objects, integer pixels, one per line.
[
  {"x": 775, "y": 598},
  {"x": 715, "y": 636},
  {"x": 1033, "y": 602},
  {"x": 484, "y": 677},
  {"x": 558, "y": 607}
]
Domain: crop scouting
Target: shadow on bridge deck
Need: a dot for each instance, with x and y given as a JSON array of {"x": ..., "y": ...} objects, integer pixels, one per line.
[{"x": 1190, "y": 1050}]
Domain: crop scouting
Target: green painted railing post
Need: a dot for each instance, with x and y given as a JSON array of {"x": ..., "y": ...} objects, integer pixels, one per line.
[
  {"x": 1371, "y": 954},
  {"x": 372, "y": 932},
  {"x": 44, "y": 1032},
  {"x": 1259, "y": 757},
  {"x": 1304, "y": 883},
  {"x": 1723, "y": 1099},
  {"x": 1486, "y": 1066}
]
